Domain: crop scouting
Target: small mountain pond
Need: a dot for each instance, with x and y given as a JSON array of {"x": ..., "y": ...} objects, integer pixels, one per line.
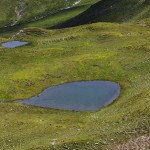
[
  {"x": 77, "y": 96},
  {"x": 14, "y": 44}
]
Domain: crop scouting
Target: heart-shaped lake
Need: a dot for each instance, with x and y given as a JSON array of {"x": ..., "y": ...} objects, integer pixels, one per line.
[{"x": 78, "y": 96}]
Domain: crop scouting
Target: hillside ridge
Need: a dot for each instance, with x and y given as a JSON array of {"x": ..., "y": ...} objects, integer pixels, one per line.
[
  {"x": 16, "y": 12},
  {"x": 111, "y": 11}
]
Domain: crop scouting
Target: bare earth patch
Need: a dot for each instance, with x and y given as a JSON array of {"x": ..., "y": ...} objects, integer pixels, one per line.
[{"x": 140, "y": 143}]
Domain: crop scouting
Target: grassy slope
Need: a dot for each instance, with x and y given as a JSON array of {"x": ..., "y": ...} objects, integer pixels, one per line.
[
  {"x": 31, "y": 9},
  {"x": 48, "y": 21},
  {"x": 112, "y": 11},
  {"x": 58, "y": 18},
  {"x": 106, "y": 51}
]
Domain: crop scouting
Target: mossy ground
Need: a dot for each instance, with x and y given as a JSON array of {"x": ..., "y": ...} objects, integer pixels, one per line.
[{"x": 101, "y": 51}]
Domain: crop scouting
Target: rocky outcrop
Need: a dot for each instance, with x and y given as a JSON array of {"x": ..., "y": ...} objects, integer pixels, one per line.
[{"x": 20, "y": 9}]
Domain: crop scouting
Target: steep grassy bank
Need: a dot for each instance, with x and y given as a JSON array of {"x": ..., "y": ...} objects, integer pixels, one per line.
[
  {"x": 112, "y": 11},
  {"x": 15, "y": 11},
  {"x": 58, "y": 18},
  {"x": 46, "y": 22},
  {"x": 107, "y": 51}
]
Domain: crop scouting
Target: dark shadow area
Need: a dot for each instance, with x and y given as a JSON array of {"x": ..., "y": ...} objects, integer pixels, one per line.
[{"x": 109, "y": 11}]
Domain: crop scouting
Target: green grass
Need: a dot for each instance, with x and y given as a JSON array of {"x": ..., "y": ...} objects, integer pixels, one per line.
[
  {"x": 58, "y": 18},
  {"x": 47, "y": 22},
  {"x": 31, "y": 9},
  {"x": 101, "y": 51},
  {"x": 119, "y": 11}
]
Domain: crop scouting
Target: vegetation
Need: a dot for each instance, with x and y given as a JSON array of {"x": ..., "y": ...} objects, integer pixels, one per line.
[
  {"x": 47, "y": 22},
  {"x": 99, "y": 51},
  {"x": 112, "y": 52},
  {"x": 58, "y": 18},
  {"x": 17, "y": 11},
  {"x": 112, "y": 11}
]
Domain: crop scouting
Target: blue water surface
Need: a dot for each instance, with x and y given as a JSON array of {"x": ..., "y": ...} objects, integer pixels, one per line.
[
  {"x": 78, "y": 96},
  {"x": 14, "y": 44}
]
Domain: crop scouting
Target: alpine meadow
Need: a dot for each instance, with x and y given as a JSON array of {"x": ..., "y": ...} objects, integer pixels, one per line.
[{"x": 74, "y": 41}]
